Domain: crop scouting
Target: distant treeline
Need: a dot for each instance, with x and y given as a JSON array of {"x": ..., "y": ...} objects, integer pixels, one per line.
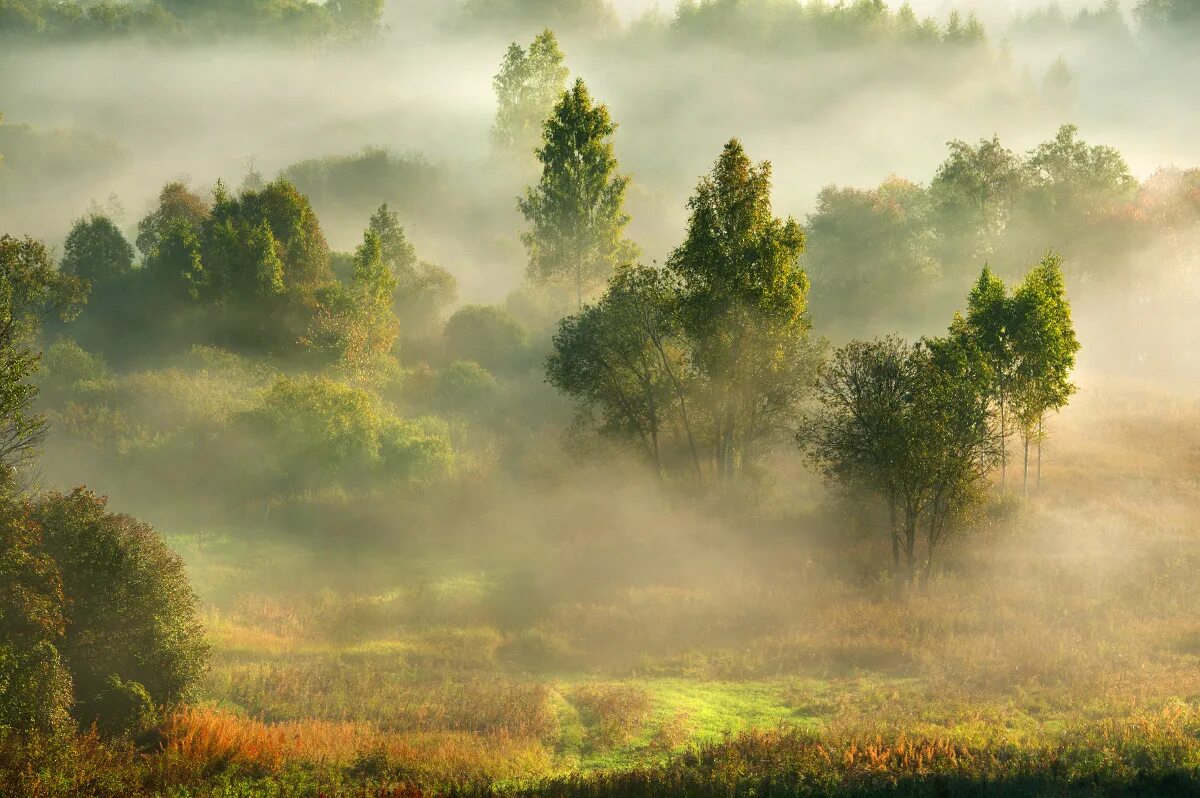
[{"x": 161, "y": 19}]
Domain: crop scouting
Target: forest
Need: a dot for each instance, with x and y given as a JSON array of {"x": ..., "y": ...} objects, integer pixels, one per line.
[{"x": 516, "y": 398}]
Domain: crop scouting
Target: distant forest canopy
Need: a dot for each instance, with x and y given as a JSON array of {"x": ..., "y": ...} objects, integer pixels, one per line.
[
  {"x": 171, "y": 19},
  {"x": 790, "y": 24}
]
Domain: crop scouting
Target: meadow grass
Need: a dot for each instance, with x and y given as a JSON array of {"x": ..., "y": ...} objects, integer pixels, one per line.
[{"x": 1056, "y": 650}]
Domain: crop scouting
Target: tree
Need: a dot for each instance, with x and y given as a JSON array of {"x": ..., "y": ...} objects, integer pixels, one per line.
[
  {"x": 176, "y": 203},
  {"x": 1075, "y": 180},
  {"x": 134, "y": 643},
  {"x": 1178, "y": 18},
  {"x": 96, "y": 251},
  {"x": 31, "y": 290},
  {"x": 621, "y": 357},
  {"x": 576, "y": 212},
  {"x": 35, "y": 687},
  {"x": 175, "y": 264},
  {"x": 858, "y": 437},
  {"x": 528, "y": 86},
  {"x": 489, "y": 336},
  {"x": 266, "y": 265},
  {"x": 912, "y": 425},
  {"x": 422, "y": 289},
  {"x": 989, "y": 328},
  {"x": 974, "y": 193},
  {"x": 870, "y": 254},
  {"x": 397, "y": 251},
  {"x": 1045, "y": 346},
  {"x": 743, "y": 309}
]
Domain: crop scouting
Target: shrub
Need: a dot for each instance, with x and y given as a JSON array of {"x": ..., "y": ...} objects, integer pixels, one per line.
[
  {"x": 35, "y": 690},
  {"x": 465, "y": 386},
  {"x": 489, "y": 336},
  {"x": 132, "y": 638},
  {"x": 65, "y": 364},
  {"x": 315, "y": 431}
]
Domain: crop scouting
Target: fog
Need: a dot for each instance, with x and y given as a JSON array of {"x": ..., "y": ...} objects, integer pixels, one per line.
[
  {"x": 410, "y": 504},
  {"x": 847, "y": 117}
]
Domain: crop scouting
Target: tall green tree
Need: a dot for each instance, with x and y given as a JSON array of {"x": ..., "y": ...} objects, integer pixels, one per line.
[
  {"x": 31, "y": 292},
  {"x": 974, "y": 194},
  {"x": 1045, "y": 345},
  {"x": 743, "y": 307},
  {"x": 989, "y": 327},
  {"x": 528, "y": 85},
  {"x": 623, "y": 359},
  {"x": 176, "y": 203},
  {"x": 96, "y": 250},
  {"x": 422, "y": 289},
  {"x": 576, "y": 212},
  {"x": 858, "y": 435}
]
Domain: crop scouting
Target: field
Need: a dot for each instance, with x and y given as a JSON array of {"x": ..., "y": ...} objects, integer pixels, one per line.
[{"x": 1056, "y": 648}]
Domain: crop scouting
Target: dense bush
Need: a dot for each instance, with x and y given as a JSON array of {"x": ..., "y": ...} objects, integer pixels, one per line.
[
  {"x": 35, "y": 689},
  {"x": 489, "y": 336},
  {"x": 465, "y": 386},
  {"x": 133, "y": 642},
  {"x": 313, "y": 432}
]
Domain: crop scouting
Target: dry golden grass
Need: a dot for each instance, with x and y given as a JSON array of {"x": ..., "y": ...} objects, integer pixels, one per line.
[{"x": 213, "y": 740}]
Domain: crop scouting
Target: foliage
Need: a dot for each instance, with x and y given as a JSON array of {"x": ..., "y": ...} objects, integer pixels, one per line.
[
  {"x": 65, "y": 364},
  {"x": 528, "y": 86},
  {"x": 31, "y": 290},
  {"x": 743, "y": 308},
  {"x": 576, "y": 212},
  {"x": 358, "y": 328},
  {"x": 173, "y": 20},
  {"x": 714, "y": 349},
  {"x": 312, "y": 431},
  {"x": 465, "y": 385},
  {"x": 579, "y": 15},
  {"x": 96, "y": 251},
  {"x": 780, "y": 26},
  {"x": 176, "y": 203},
  {"x": 871, "y": 253},
  {"x": 489, "y": 336},
  {"x": 35, "y": 688},
  {"x": 133, "y": 639},
  {"x": 422, "y": 290}
]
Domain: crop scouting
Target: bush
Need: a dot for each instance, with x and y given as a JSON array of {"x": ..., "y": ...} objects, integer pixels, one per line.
[
  {"x": 314, "y": 432},
  {"x": 489, "y": 336},
  {"x": 65, "y": 364},
  {"x": 465, "y": 385},
  {"x": 35, "y": 690},
  {"x": 133, "y": 639}
]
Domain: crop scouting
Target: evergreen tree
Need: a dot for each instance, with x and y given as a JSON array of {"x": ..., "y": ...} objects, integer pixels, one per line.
[{"x": 576, "y": 212}]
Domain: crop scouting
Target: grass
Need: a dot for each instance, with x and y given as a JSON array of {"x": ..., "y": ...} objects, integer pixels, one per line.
[{"x": 1055, "y": 652}]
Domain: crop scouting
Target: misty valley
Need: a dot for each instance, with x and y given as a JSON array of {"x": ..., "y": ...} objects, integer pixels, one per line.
[{"x": 597, "y": 398}]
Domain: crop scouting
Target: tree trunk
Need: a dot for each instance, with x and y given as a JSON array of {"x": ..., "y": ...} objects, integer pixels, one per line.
[
  {"x": 1039, "y": 453},
  {"x": 1003, "y": 446},
  {"x": 910, "y": 551},
  {"x": 895, "y": 533},
  {"x": 1025, "y": 473}
]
